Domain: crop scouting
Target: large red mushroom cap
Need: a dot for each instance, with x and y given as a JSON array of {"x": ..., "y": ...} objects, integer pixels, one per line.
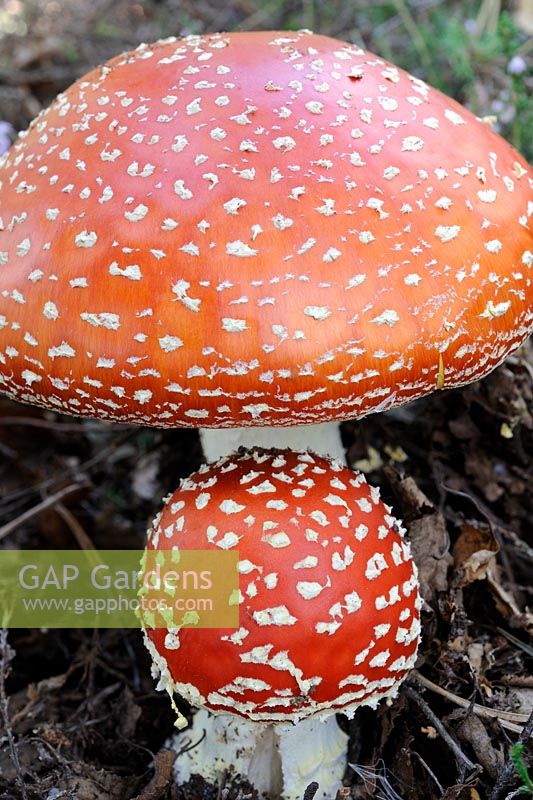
[
  {"x": 257, "y": 228},
  {"x": 329, "y": 603}
]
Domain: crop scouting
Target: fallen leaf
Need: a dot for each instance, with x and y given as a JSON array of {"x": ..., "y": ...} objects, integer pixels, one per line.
[
  {"x": 427, "y": 533},
  {"x": 163, "y": 775},
  {"x": 473, "y": 553},
  {"x": 430, "y": 549},
  {"x": 472, "y": 731}
]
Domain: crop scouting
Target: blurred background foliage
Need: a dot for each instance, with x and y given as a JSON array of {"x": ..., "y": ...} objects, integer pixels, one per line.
[{"x": 478, "y": 51}]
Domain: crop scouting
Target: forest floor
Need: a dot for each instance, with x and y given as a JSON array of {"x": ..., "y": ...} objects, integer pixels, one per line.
[{"x": 79, "y": 716}]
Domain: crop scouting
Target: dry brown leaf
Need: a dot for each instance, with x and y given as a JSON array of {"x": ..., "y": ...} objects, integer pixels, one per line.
[
  {"x": 472, "y": 731},
  {"x": 163, "y": 775},
  {"x": 430, "y": 548},
  {"x": 427, "y": 533},
  {"x": 473, "y": 553}
]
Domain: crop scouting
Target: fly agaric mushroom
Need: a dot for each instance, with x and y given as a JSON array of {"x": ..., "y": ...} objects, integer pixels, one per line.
[
  {"x": 329, "y": 616},
  {"x": 255, "y": 229}
]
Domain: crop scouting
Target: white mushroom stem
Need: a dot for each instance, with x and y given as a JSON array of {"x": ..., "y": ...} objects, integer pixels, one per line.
[
  {"x": 323, "y": 439},
  {"x": 278, "y": 760}
]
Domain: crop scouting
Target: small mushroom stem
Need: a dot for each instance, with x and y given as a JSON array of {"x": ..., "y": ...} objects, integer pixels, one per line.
[
  {"x": 323, "y": 439},
  {"x": 279, "y": 760},
  {"x": 265, "y": 770}
]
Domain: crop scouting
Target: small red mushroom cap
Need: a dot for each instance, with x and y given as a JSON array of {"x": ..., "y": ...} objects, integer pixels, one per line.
[
  {"x": 329, "y": 602},
  {"x": 257, "y": 228}
]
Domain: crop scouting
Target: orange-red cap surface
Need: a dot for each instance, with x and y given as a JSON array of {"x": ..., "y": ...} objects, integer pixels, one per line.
[
  {"x": 257, "y": 228},
  {"x": 329, "y": 603}
]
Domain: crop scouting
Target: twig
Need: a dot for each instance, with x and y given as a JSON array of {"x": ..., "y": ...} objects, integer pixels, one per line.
[
  {"x": 517, "y": 642},
  {"x": 522, "y": 547},
  {"x": 507, "y": 719},
  {"x": 460, "y": 757},
  {"x": 524, "y": 618},
  {"x": 48, "y": 502},
  {"x": 311, "y": 790},
  {"x": 82, "y": 538},
  {"x": 428, "y": 770},
  {"x": 190, "y": 745},
  {"x": 6, "y": 654},
  {"x": 523, "y": 681},
  {"x": 507, "y": 771},
  {"x": 476, "y": 502}
]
